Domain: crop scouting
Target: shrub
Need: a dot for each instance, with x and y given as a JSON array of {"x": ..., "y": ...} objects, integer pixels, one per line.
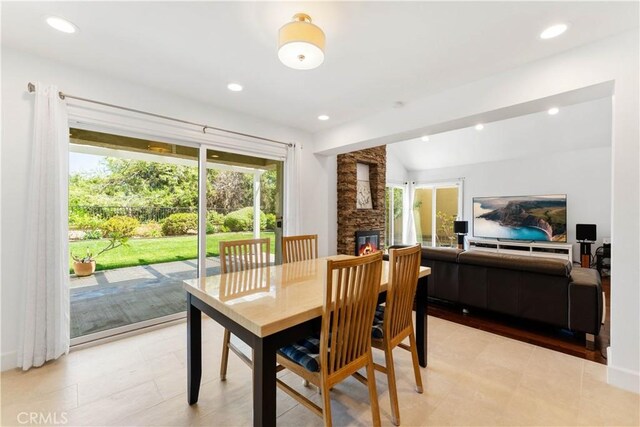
[
  {"x": 215, "y": 222},
  {"x": 271, "y": 221},
  {"x": 118, "y": 227},
  {"x": 92, "y": 235},
  {"x": 215, "y": 218},
  {"x": 180, "y": 223},
  {"x": 242, "y": 220},
  {"x": 81, "y": 220},
  {"x": 149, "y": 229}
]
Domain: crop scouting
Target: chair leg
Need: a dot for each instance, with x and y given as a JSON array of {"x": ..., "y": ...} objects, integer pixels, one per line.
[
  {"x": 225, "y": 355},
  {"x": 326, "y": 404},
  {"x": 416, "y": 364},
  {"x": 393, "y": 391},
  {"x": 373, "y": 392}
]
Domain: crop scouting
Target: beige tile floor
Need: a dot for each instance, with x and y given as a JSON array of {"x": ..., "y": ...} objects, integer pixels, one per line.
[{"x": 473, "y": 378}]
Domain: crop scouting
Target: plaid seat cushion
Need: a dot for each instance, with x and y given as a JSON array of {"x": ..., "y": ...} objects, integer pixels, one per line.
[
  {"x": 378, "y": 322},
  {"x": 305, "y": 353}
]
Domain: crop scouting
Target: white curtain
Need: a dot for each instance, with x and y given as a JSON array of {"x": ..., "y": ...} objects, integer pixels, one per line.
[
  {"x": 409, "y": 236},
  {"x": 45, "y": 318},
  {"x": 292, "y": 191}
]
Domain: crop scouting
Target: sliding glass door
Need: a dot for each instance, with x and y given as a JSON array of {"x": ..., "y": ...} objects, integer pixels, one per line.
[
  {"x": 394, "y": 206},
  {"x": 435, "y": 208},
  {"x": 243, "y": 201},
  {"x": 135, "y": 210},
  {"x": 133, "y": 220}
]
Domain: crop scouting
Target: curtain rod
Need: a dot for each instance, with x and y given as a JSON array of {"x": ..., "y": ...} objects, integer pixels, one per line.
[{"x": 32, "y": 88}]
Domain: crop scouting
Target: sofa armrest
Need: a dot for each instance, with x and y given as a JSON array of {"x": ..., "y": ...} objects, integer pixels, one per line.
[{"x": 585, "y": 301}]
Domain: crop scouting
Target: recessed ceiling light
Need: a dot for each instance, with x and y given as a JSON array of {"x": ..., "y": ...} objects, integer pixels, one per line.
[
  {"x": 479, "y": 126},
  {"x": 553, "y": 31},
  {"x": 553, "y": 111},
  {"x": 234, "y": 87},
  {"x": 61, "y": 24},
  {"x": 323, "y": 117},
  {"x": 425, "y": 138}
]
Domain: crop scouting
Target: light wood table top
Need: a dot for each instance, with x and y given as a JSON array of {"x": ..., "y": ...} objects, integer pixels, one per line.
[{"x": 270, "y": 299}]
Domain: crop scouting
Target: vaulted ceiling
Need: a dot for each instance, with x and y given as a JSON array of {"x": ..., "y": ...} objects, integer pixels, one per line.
[
  {"x": 539, "y": 135},
  {"x": 377, "y": 53}
]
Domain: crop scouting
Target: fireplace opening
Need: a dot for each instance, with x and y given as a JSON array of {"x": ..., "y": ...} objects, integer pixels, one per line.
[{"x": 367, "y": 242}]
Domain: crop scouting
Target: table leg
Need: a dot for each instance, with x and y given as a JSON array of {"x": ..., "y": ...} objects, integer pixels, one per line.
[
  {"x": 194, "y": 351},
  {"x": 421, "y": 320},
  {"x": 264, "y": 383}
]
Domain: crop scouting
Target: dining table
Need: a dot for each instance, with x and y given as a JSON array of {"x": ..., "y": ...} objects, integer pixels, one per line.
[{"x": 268, "y": 308}]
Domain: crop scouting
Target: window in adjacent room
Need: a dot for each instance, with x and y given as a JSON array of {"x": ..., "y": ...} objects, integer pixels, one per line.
[
  {"x": 394, "y": 195},
  {"x": 435, "y": 207}
]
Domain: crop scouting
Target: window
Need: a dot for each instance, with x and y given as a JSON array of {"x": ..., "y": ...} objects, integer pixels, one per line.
[
  {"x": 394, "y": 216},
  {"x": 435, "y": 208}
]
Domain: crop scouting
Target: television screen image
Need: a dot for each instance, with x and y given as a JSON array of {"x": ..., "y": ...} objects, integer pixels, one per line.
[{"x": 537, "y": 218}]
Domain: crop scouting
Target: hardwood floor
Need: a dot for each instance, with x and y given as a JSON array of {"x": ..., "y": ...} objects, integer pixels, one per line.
[{"x": 531, "y": 332}]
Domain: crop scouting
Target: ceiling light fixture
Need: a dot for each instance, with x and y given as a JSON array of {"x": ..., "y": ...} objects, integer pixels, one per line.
[
  {"x": 323, "y": 117},
  {"x": 234, "y": 87},
  {"x": 479, "y": 126},
  {"x": 553, "y": 31},
  {"x": 553, "y": 111},
  {"x": 301, "y": 43},
  {"x": 61, "y": 24},
  {"x": 425, "y": 138}
]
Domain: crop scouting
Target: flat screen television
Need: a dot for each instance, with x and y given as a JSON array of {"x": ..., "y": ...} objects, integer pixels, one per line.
[{"x": 530, "y": 218}]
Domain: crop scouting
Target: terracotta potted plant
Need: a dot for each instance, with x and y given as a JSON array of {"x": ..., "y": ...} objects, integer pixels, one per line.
[
  {"x": 118, "y": 230},
  {"x": 84, "y": 266}
]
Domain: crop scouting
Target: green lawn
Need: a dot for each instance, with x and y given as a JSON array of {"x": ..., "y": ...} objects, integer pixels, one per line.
[{"x": 154, "y": 251}]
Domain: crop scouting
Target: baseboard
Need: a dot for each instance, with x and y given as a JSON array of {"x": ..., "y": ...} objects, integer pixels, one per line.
[
  {"x": 621, "y": 377},
  {"x": 9, "y": 360}
]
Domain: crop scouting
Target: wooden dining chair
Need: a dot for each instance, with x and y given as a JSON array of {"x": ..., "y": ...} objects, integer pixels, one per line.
[
  {"x": 344, "y": 343},
  {"x": 393, "y": 322},
  {"x": 235, "y": 256},
  {"x": 299, "y": 248}
]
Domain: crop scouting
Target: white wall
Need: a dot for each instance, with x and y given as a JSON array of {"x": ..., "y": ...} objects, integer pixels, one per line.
[
  {"x": 583, "y": 175},
  {"x": 616, "y": 60},
  {"x": 17, "y": 111},
  {"x": 396, "y": 172}
]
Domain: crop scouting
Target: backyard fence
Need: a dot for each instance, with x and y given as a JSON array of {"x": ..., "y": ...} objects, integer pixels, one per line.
[{"x": 141, "y": 213}]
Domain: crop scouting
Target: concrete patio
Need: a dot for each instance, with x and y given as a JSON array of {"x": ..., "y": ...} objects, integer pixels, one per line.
[{"x": 120, "y": 297}]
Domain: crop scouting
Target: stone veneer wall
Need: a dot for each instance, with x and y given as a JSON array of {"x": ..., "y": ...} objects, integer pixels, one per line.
[{"x": 351, "y": 219}]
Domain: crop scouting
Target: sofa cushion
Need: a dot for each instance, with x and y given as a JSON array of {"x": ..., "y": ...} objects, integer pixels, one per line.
[
  {"x": 550, "y": 266},
  {"x": 441, "y": 254}
]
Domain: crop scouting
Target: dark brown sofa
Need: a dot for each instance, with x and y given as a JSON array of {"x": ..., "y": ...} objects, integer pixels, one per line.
[{"x": 547, "y": 290}]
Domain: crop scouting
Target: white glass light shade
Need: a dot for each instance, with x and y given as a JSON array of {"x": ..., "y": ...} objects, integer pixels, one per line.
[{"x": 301, "y": 44}]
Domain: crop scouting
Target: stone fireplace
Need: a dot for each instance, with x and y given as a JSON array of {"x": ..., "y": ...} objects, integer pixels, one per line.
[
  {"x": 350, "y": 218},
  {"x": 367, "y": 242}
]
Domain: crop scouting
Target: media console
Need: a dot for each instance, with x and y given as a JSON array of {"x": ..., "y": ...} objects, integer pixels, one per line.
[{"x": 538, "y": 249}]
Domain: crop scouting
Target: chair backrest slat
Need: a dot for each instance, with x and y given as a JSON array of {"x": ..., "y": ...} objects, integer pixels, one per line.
[
  {"x": 404, "y": 271},
  {"x": 351, "y": 295},
  {"x": 240, "y": 255},
  {"x": 299, "y": 248}
]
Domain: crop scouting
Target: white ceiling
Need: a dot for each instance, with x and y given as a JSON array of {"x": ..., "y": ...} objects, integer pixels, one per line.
[
  {"x": 575, "y": 127},
  {"x": 377, "y": 53}
]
